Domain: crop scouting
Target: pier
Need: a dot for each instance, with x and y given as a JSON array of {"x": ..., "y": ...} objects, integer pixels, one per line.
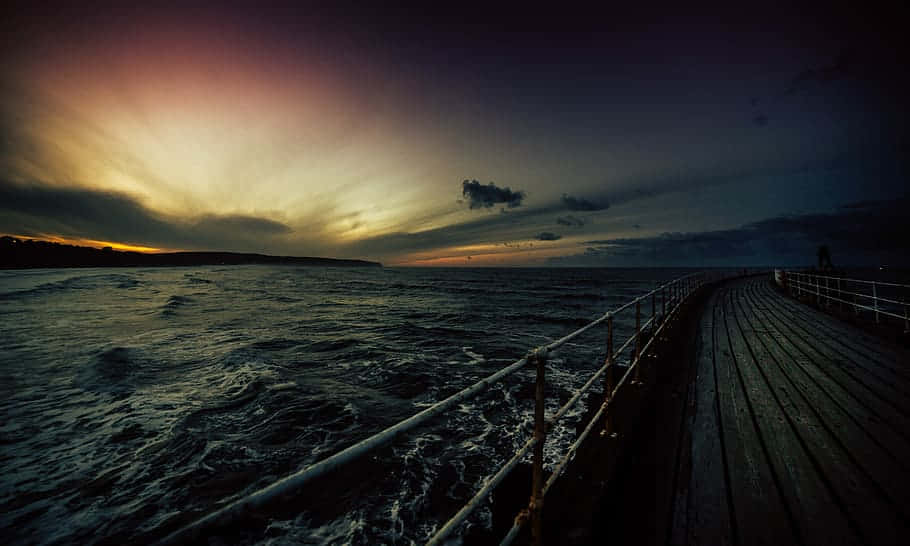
[
  {"x": 789, "y": 427},
  {"x": 733, "y": 414}
]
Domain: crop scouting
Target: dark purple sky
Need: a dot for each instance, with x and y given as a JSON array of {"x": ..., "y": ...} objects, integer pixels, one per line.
[{"x": 652, "y": 136}]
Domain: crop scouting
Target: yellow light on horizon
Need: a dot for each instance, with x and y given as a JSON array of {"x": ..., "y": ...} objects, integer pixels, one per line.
[
  {"x": 93, "y": 243},
  {"x": 479, "y": 255}
]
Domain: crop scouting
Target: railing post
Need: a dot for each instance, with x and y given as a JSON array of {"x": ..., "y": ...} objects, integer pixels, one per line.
[
  {"x": 608, "y": 380},
  {"x": 840, "y": 296},
  {"x": 540, "y": 433},
  {"x": 906, "y": 317},
  {"x": 827, "y": 294},
  {"x": 653, "y": 313},
  {"x": 636, "y": 358},
  {"x": 875, "y": 301},
  {"x": 817, "y": 293},
  {"x": 663, "y": 303}
]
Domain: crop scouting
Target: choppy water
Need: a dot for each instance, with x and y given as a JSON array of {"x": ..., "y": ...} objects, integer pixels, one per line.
[{"x": 132, "y": 396}]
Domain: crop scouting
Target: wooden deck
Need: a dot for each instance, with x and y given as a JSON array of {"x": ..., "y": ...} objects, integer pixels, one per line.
[{"x": 795, "y": 429}]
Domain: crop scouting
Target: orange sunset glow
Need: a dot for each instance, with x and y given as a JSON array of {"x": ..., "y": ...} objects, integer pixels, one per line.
[{"x": 310, "y": 133}]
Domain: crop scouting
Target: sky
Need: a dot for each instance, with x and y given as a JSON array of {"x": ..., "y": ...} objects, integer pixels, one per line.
[{"x": 467, "y": 136}]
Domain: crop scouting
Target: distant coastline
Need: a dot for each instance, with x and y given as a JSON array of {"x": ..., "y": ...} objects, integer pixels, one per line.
[{"x": 31, "y": 254}]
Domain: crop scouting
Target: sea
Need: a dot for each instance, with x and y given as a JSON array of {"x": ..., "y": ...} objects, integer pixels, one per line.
[{"x": 137, "y": 399}]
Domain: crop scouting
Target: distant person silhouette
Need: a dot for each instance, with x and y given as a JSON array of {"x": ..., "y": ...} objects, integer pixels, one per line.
[{"x": 824, "y": 258}]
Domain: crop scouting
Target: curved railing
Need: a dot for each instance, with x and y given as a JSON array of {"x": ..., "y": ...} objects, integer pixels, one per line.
[
  {"x": 881, "y": 299},
  {"x": 671, "y": 296}
]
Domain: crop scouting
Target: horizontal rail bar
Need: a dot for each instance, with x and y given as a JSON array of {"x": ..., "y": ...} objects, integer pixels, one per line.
[
  {"x": 311, "y": 472},
  {"x": 584, "y": 388},
  {"x": 880, "y": 283},
  {"x": 880, "y": 310},
  {"x": 823, "y": 291},
  {"x": 475, "y": 501},
  {"x": 513, "y": 533},
  {"x": 558, "y": 470},
  {"x": 556, "y": 344},
  {"x": 472, "y": 505},
  {"x": 301, "y": 477},
  {"x": 577, "y": 443}
]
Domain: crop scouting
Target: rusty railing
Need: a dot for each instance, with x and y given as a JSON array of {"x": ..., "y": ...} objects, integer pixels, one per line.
[
  {"x": 672, "y": 295},
  {"x": 880, "y": 299}
]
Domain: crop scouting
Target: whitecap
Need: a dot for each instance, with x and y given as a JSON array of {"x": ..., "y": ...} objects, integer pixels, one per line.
[{"x": 475, "y": 357}]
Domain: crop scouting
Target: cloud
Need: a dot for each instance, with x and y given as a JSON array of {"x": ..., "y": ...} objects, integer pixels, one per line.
[
  {"x": 520, "y": 222},
  {"x": 548, "y": 236},
  {"x": 570, "y": 221},
  {"x": 238, "y": 223},
  {"x": 524, "y": 222},
  {"x": 837, "y": 69},
  {"x": 480, "y": 196},
  {"x": 580, "y": 203},
  {"x": 866, "y": 233},
  {"x": 36, "y": 210},
  {"x": 486, "y": 229}
]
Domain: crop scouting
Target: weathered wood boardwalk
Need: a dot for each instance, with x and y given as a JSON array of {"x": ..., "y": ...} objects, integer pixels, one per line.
[{"x": 795, "y": 429}]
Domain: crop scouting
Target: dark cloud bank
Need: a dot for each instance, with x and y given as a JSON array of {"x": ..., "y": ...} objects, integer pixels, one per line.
[
  {"x": 33, "y": 210},
  {"x": 570, "y": 221},
  {"x": 480, "y": 196},
  {"x": 580, "y": 203},
  {"x": 860, "y": 233},
  {"x": 866, "y": 233}
]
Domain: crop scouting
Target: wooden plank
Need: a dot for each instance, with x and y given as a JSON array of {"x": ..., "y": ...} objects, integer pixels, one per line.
[
  {"x": 825, "y": 386},
  {"x": 851, "y": 494},
  {"x": 882, "y": 361},
  {"x": 760, "y": 514},
  {"x": 849, "y": 380},
  {"x": 701, "y": 512},
  {"x": 816, "y": 510},
  {"x": 858, "y": 337},
  {"x": 883, "y": 357},
  {"x": 678, "y": 526},
  {"x": 883, "y": 453},
  {"x": 877, "y": 378}
]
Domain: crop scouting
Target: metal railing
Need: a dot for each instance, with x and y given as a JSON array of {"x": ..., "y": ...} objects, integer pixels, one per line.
[
  {"x": 880, "y": 299},
  {"x": 671, "y": 296}
]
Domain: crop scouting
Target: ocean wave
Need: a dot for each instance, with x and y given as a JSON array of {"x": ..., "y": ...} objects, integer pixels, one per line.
[
  {"x": 174, "y": 303},
  {"x": 125, "y": 425}
]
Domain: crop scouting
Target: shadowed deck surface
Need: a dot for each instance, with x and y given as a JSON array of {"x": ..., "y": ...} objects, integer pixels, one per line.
[{"x": 796, "y": 428}]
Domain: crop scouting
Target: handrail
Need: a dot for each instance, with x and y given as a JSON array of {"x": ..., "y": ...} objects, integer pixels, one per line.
[
  {"x": 866, "y": 281},
  {"x": 673, "y": 292},
  {"x": 802, "y": 283},
  {"x": 600, "y": 415}
]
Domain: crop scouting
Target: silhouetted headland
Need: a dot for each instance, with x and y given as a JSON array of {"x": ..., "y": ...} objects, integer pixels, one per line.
[{"x": 25, "y": 253}]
